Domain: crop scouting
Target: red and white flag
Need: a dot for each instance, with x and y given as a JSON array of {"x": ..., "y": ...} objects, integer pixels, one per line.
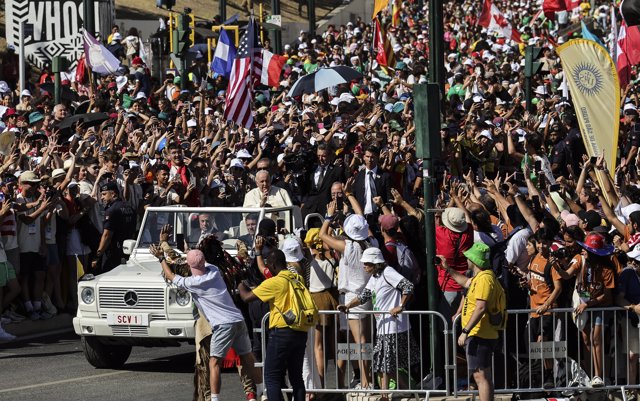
[
  {"x": 385, "y": 55},
  {"x": 246, "y": 71},
  {"x": 493, "y": 19},
  {"x": 550, "y": 7},
  {"x": 627, "y": 52},
  {"x": 271, "y": 68}
]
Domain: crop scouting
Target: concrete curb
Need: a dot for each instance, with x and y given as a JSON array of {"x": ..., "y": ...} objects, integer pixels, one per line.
[{"x": 28, "y": 330}]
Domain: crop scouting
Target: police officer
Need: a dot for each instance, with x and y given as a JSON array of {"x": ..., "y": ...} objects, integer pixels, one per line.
[{"x": 119, "y": 225}]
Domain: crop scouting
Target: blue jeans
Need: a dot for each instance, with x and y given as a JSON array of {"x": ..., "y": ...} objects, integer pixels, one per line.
[{"x": 285, "y": 352}]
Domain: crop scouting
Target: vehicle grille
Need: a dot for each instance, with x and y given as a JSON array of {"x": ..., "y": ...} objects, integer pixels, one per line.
[
  {"x": 129, "y": 331},
  {"x": 148, "y": 298}
]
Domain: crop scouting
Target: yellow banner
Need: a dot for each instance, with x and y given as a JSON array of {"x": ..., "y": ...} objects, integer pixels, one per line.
[
  {"x": 379, "y": 5},
  {"x": 595, "y": 93}
]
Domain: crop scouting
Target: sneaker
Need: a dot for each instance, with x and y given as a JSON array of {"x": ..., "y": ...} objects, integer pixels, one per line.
[
  {"x": 47, "y": 305},
  {"x": 430, "y": 382},
  {"x": 15, "y": 317},
  {"x": 6, "y": 337},
  {"x": 264, "y": 397},
  {"x": 354, "y": 382},
  {"x": 34, "y": 315},
  {"x": 44, "y": 315},
  {"x": 251, "y": 396},
  {"x": 597, "y": 382}
]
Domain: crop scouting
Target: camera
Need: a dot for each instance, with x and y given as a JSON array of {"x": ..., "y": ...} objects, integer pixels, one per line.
[{"x": 560, "y": 253}]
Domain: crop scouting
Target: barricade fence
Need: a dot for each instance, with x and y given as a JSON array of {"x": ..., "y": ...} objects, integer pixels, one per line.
[
  {"x": 532, "y": 355},
  {"x": 559, "y": 352},
  {"x": 385, "y": 354}
]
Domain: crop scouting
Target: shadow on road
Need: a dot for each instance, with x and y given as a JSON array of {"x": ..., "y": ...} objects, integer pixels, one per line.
[{"x": 182, "y": 363}]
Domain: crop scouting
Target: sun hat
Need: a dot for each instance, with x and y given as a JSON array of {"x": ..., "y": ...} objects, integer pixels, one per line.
[
  {"x": 570, "y": 219},
  {"x": 292, "y": 250},
  {"x": 372, "y": 255},
  {"x": 243, "y": 154},
  {"x": 29, "y": 176},
  {"x": 596, "y": 244},
  {"x": 478, "y": 254},
  {"x": 454, "y": 219},
  {"x": 356, "y": 227},
  {"x": 56, "y": 173},
  {"x": 635, "y": 253},
  {"x": 35, "y": 117}
]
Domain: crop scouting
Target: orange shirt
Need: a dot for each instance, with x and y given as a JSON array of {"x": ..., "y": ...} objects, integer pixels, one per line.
[
  {"x": 593, "y": 280},
  {"x": 539, "y": 290}
]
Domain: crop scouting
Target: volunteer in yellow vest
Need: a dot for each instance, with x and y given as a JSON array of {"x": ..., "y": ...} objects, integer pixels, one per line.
[
  {"x": 286, "y": 346},
  {"x": 484, "y": 297}
]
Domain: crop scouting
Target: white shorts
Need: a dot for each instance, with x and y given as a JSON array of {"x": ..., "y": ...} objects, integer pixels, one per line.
[{"x": 344, "y": 299}]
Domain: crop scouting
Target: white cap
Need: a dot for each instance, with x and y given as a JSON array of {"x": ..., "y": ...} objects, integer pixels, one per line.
[
  {"x": 486, "y": 133},
  {"x": 541, "y": 90},
  {"x": 292, "y": 250},
  {"x": 372, "y": 255},
  {"x": 629, "y": 107},
  {"x": 243, "y": 154},
  {"x": 236, "y": 163},
  {"x": 140, "y": 95},
  {"x": 26, "y": 92},
  {"x": 116, "y": 36},
  {"x": 4, "y": 87}
]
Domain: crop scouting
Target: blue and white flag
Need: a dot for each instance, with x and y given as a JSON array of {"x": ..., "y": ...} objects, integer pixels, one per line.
[
  {"x": 99, "y": 59},
  {"x": 586, "y": 34},
  {"x": 224, "y": 55}
]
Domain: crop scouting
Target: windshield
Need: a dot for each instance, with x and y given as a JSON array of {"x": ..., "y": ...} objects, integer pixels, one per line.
[{"x": 227, "y": 224}]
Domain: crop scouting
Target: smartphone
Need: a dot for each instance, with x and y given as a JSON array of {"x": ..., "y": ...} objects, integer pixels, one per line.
[
  {"x": 593, "y": 160},
  {"x": 538, "y": 165},
  {"x": 437, "y": 261},
  {"x": 554, "y": 188},
  {"x": 279, "y": 225},
  {"x": 111, "y": 132},
  {"x": 339, "y": 203},
  {"x": 338, "y": 119}
]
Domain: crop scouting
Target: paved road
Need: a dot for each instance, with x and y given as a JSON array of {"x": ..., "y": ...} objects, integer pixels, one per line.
[{"x": 54, "y": 369}]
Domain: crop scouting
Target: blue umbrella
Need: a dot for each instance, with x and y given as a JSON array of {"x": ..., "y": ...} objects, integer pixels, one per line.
[{"x": 323, "y": 78}]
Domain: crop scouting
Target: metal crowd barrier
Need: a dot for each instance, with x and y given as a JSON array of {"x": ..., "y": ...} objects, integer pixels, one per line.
[
  {"x": 527, "y": 362},
  {"x": 341, "y": 354}
]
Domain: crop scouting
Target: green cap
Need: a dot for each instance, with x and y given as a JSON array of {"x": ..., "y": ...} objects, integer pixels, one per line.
[
  {"x": 395, "y": 126},
  {"x": 177, "y": 80},
  {"x": 478, "y": 254}
]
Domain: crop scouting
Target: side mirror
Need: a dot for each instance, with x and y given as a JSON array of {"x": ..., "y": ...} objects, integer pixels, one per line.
[{"x": 128, "y": 246}]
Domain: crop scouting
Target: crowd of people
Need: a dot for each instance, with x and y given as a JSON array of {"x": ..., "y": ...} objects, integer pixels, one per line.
[{"x": 518, "y": 197}]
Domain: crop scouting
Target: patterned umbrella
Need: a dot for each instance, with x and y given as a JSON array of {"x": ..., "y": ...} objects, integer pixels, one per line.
[{"x": 323, "y": 78}]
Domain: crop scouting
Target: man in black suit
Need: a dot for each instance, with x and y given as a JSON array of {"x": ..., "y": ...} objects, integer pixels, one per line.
[
  {"x": 369, "y": 183},
  {"x": 318, "y": 182}
]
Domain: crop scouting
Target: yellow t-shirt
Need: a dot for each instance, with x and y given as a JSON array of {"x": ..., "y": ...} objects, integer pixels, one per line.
[
  {"x": 483, "y": 287},
  {"x": 275, "y": 291}
]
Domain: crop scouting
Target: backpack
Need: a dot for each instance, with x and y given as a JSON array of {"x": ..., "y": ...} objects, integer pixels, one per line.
[
  {"x": 407, "y": 263},
  {"x": 303, "y": 314},
  {"x": 499, "y": 263},
  {"x": 498, "y": 309}
]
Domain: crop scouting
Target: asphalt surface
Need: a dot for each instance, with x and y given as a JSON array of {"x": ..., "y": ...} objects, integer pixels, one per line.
[{"x": 54, "y": 368}]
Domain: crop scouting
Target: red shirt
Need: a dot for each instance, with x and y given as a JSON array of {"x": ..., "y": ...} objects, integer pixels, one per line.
[{"x": 451, "y": 245}]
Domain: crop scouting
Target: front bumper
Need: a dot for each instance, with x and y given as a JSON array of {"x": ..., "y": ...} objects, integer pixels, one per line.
[{"x": 178, "y": 330}]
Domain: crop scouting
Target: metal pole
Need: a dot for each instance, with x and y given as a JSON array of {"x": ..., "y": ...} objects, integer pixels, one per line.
[
  {"x": 223, "y": 11},
  {"x": 311, "y": 12},
  {"x": 22, "y": 59},
  {"x": 426, "y": 99},
  {"x": 277, "y": 35},
  {"x": 171, "y": 50},
  {"x": 261, "y": 19},
  {"x": 436, "y": 39},
  {"x": 89, "y": 16}
]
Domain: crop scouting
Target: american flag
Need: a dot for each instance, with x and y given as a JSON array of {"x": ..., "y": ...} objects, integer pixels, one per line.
[{"x": 246, "y": 71}]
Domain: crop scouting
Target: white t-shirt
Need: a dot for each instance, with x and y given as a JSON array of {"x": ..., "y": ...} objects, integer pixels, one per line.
[
  {"x": 516, "y": 252},
  {"x": 29, "y": 237},
  {"x": 385, "y": 296},
  {"x": 351, "y": 275},
  {"x": 321, "y": 277}
]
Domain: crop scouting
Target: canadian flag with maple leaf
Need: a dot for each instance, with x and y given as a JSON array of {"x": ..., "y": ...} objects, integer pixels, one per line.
[{"x": 493, "y": 19}]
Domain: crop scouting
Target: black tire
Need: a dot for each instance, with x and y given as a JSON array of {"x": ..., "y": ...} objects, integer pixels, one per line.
[{"x": 103, "y": 356}]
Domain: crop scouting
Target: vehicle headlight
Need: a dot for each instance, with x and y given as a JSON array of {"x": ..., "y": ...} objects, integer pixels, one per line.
[
  {"x": 87, "y": 295},
  {"x": 183, "y": 298}
]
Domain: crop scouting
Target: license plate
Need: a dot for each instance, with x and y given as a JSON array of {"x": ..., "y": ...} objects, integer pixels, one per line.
[{"x": 127, "y": 319}]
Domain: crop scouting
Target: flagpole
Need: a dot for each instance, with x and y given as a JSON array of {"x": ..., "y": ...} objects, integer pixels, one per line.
[{"x": 251, "y": 41}]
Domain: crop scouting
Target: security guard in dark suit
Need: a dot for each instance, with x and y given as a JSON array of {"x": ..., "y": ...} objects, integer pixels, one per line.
[{"x": 119, "y": 225}]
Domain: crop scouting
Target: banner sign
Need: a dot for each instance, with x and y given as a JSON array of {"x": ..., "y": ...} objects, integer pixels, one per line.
[
  {"x": 52, "y": 27},
  {"x": 354, "y": 352},
  {"x": 548, "y": 350},
  {"x": 595, "y": 93}
]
